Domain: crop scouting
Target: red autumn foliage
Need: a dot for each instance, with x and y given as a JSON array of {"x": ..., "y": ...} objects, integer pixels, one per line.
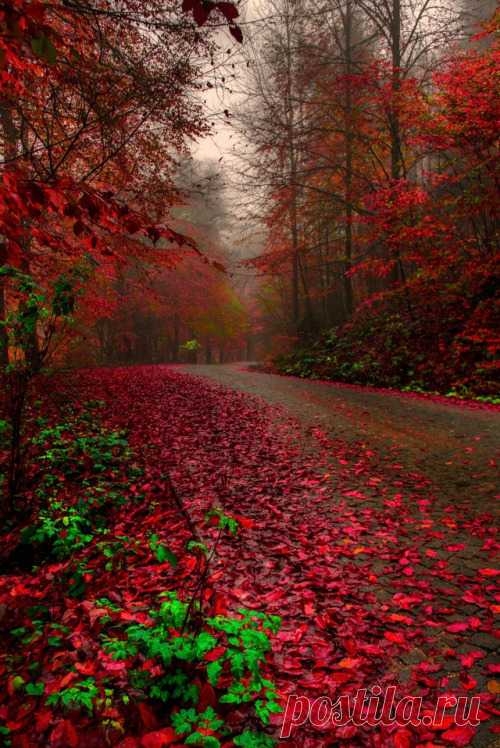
[
  {"x": 307, "y": 553},
  {"x": 423, "y": 257}
]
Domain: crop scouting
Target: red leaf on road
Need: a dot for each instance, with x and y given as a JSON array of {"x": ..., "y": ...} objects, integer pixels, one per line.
[
  {"x": 460, "y": 736},
  {"x": 393, "y": 636}
]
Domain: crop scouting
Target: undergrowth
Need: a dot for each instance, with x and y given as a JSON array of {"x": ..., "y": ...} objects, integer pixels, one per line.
[
  {"x": 428, "y": 352},
  {"x": 93, "y": 658}
]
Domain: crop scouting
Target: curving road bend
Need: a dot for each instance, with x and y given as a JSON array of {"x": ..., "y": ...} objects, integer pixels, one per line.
[{"x": 455, "y": 446}]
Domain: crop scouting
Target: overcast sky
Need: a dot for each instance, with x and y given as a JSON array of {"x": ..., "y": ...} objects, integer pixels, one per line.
[{"x": 227, "y": 79}]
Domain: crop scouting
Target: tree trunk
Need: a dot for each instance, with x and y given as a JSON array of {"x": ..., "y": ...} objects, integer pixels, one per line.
[
  {"x": 349, "y": 136},
  {"x": 4, "y": 343},
  {"x": 9, "y": 154},
  {"x": 175, "y": 348},
  {"x": 310, "y": 323},
  {"x": 394, "y": 122},
  {"x": 396, "y": 86},
  {"x": 292, "y": 155},
  {"x": 249, "y": 347}
]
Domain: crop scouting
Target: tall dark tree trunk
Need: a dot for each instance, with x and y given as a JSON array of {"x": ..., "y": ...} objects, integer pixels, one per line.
[
  {"x": 249, "y": 347},
  {"x": 310, "y": 320},
  {"x": 176, "y": 343},
  {"x": 10, "y": 139},
  {"x": 33, "y": 347},
  {"x": 12, "y": 149},
  {"x": 295, "y": 259},
  {"x": 396, "y": 154},
  {"x": 349, "y": 138},
  {"x": 397, "y": 273},
  {"x": 292, "y": 156},
  {"x": 4, "y": 343}
]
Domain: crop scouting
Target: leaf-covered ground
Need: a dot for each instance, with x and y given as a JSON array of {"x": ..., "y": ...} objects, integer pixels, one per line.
[
  {"x": 378, "y": 581},
  {"x": 452, "y": 442}
]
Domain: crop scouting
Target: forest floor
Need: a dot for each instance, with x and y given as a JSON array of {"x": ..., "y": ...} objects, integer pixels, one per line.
[
  {"x": 453, "y": 443},
  {"x": 412, "y": 481},
  {"x": 366, "y": 525}
]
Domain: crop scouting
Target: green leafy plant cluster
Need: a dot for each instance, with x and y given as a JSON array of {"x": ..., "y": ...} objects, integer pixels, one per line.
[
  {"x": 63, "y": 528},
  {"x": 197, "y": 726},
  {"x": 228, "y": 652},
  {"x": 37, "y": 625},
  {"x": 71, "y": 454},
  {"x": 30, "y": 327},
  {"x": 81, "y": 695},
  {"x": 161, "y": 551},
  {"x": 223, "y": 521},
  {"x": 63, "y": 525}
]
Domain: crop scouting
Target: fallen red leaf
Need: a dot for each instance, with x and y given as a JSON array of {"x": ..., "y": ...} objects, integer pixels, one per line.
[{"x": 159, "y": 738}]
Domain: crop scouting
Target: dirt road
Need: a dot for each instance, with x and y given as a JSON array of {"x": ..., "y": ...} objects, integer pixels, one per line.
[{"x": 454, "y": 446}]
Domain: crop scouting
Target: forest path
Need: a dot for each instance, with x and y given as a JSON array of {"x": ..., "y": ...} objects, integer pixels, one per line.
[
  {"x": 379, "y": 542},
  {"x": 380, "y": 572},
  {"x": 454, "y": 445}
]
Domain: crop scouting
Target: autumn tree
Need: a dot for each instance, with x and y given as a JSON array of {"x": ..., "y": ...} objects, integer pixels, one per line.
[{"x": 102, "y": 102}]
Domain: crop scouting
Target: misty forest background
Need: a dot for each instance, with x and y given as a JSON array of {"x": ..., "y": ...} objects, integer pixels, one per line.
[{"x": 343, "y": 207}]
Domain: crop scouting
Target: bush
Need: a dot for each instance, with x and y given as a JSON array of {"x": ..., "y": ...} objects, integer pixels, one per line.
[{"x": 432, "y": 345}]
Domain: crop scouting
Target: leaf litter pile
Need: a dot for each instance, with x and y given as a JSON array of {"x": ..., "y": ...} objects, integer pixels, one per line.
[{"x": 194, "y": 559}]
